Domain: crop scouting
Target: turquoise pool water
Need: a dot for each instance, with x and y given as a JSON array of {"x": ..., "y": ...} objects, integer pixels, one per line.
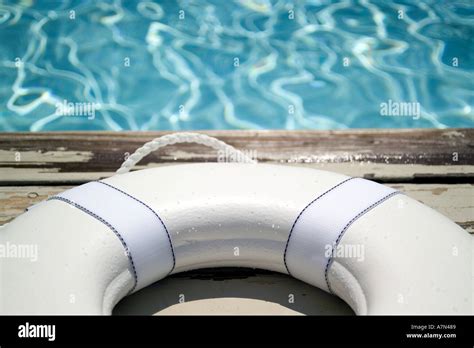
[{"x": 184, "y": 65}]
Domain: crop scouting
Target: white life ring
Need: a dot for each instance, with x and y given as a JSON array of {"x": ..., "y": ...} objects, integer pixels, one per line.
[{"x": 380, "y": 251}]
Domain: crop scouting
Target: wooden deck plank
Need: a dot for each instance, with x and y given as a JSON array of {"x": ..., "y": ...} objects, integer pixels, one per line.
[
  {"x": 454, "y": 201},
  {"x": 403, "y": 158},
  {"x": 383, "y": 155}
]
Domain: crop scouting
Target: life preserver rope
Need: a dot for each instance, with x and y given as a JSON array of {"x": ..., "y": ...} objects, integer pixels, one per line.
[{"x": 184, "y": 137}]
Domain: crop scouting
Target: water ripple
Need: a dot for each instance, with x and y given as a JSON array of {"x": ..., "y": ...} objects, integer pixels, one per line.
[{"x": 248, "y": 64}]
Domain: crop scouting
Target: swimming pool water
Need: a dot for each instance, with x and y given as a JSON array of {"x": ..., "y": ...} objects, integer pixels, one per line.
[{"x": 184, "y": 65}]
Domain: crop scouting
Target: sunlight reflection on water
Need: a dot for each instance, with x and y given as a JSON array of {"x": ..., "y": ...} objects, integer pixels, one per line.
[{"x": 235, "y": 65}]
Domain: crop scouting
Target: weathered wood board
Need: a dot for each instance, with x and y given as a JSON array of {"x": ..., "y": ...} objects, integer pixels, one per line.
[
  {"x": 383, "y": 155},
  {"x": 434, "y": 166}
]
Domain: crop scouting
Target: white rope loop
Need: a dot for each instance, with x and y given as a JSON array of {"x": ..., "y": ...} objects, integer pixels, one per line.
[{"x": 184, "y": 137}]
